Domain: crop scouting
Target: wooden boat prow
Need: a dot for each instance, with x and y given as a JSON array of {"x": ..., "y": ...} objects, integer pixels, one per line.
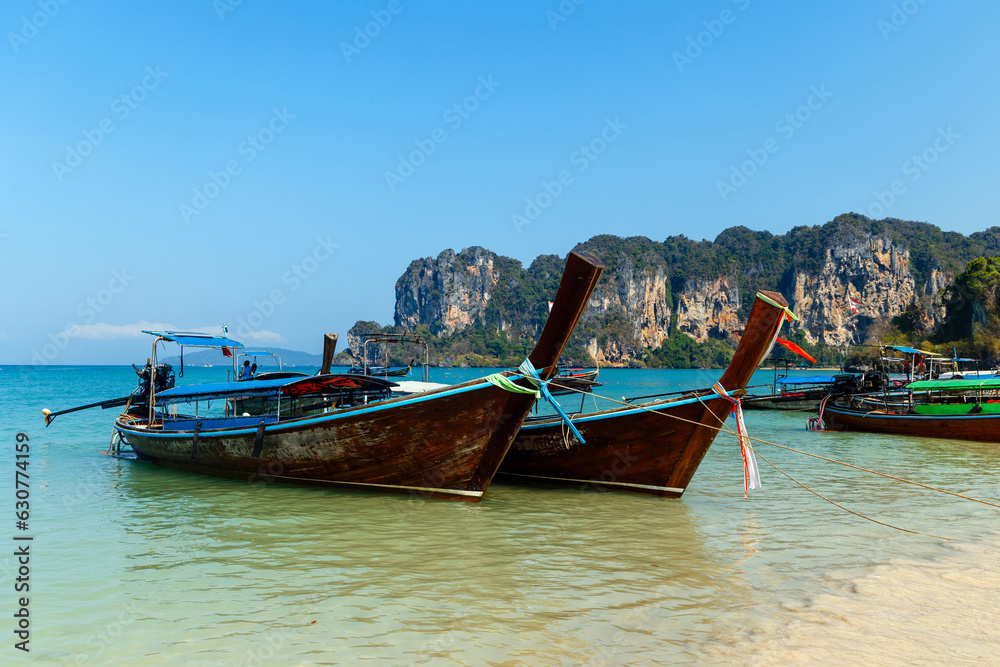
[{"x": 654, "y": 447}]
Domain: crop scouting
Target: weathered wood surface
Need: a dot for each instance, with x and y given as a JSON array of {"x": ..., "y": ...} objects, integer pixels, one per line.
[
  {"x": 632, "y": 448},
  {"x": 445, "y": 443},
  {"x": 449, "y": 446}
]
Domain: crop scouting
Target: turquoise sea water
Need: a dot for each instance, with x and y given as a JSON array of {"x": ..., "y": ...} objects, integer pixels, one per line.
[{"x": 133, "y": 564}]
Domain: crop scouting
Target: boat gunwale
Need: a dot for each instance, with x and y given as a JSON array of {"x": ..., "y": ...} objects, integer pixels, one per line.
[
  {"x": 306, "y": 420},
  {"x": 695, "y": 396}
]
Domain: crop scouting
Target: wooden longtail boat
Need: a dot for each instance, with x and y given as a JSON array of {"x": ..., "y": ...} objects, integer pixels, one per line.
[
  {"x": 958, "y": 409},
  {"x": 800, "y": 392},
  {"x": 572, "y": 380},
  {"x": 445, "y": 443},
  {"x": 653, "y": 447}
]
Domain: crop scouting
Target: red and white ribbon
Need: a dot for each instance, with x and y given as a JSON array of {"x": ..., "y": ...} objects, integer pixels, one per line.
[{"x": 751, "y": 476}]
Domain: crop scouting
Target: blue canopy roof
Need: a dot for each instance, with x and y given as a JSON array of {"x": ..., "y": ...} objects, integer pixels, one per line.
[
  {"x": 908, "y": 350},
  {"x": 196, "y": 339}
]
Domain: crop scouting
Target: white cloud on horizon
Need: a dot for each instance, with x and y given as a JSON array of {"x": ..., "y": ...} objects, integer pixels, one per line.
[{"x": 105, "y": 331}]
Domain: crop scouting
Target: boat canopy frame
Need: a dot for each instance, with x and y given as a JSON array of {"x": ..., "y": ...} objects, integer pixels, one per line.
[
  {"x": 189, "y": 339},
  {"x": 379, "y": 338}
]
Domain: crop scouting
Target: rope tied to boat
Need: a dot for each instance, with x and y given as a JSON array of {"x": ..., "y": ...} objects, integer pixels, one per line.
[
  {"x": 751, "y": 476},
  {"x": 817, "y": 423},
  {"x": 541, "y": 390}
]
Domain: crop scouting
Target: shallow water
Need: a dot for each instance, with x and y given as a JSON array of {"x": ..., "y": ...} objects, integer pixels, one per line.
[{"x": 133, "y": 564}]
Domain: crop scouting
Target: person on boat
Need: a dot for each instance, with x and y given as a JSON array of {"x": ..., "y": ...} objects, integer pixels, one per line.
[{"x": 247, "y": 372}]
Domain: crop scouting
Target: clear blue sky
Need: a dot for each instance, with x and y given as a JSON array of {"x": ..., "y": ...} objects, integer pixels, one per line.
[{"x": 309, "y": 128}]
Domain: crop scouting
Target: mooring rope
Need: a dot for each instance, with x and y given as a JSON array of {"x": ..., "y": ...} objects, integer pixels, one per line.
[
  {"x": 849, "y": 511},
  {"x": 881, "y": 474},
  {"x": 724, "y": 428}
]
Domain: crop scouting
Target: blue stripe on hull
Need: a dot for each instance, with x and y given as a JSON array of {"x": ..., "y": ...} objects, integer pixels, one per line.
[{"x": 329, "y": 417}]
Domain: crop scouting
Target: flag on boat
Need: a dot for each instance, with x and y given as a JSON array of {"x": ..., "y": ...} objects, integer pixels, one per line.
[
  {"x": 854, "y": 304},
  {"x": 226, "y": 352},
  {"x": 796, "y": 349}
]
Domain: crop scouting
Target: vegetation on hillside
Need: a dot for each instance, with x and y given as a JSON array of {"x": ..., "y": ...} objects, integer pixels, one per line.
[{"x": 517, "y": 309}]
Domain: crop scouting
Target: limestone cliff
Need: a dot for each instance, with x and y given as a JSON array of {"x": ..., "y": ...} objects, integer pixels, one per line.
[
  {"x": 703, "y": 290},
  {"x": 640, "y": 298},
  {"x": 871, "y": 270},
  {"x": 708, "y": 308},
  {"x": 448, "y": 293}
]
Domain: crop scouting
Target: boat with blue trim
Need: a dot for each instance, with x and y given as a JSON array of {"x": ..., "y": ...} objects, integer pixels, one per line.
[
  {"x": 653, "y": 447},
  {"x": 801, "y": 392},
  {"x": 349, "y": 430},
  {"x": 961, "y": 409}
]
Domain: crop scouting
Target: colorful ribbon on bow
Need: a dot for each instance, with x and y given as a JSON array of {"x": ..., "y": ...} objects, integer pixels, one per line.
[
  {"x": 541, "y": 390},
  {"x": 751, "y": 476},
  {"x": 786, "y": 314}
]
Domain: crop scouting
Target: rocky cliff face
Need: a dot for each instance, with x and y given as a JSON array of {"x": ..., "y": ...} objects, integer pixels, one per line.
[
  {"x": 641, "y": 291},
  {"x": 708, "y": 308},
  {"x": 447, "y": 293},
  {"x": 871, "y": 270},
  {"x": 639, "y": 297}
]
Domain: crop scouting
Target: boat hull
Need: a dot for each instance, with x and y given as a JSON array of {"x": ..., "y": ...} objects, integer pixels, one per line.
[
  {"x": 652, "y": 448},
  {"x": 421, "y": 445},
  {"x": 984, "y": 427}
]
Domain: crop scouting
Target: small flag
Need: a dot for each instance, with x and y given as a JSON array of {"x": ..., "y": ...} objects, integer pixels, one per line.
[
  {"x": 226, "y": 352},
  {"x": 550, "y": 306},
  {"x": 854, "y": 304},
  {"x": 796, "y": 349}
]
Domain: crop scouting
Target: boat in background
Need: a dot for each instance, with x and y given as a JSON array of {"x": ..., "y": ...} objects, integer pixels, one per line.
[
  {"x": 652, "y": 447},
  {"x": 571, "y": 380},
  {"x": 958, "y": 368},
  {"x": 384, "y": 341},
  {"x": 957, "y": 409},
  {"x": 801, "y": 392},
  {"x": 253, "y": 355},
  {"x": 347, "y": 430}
]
